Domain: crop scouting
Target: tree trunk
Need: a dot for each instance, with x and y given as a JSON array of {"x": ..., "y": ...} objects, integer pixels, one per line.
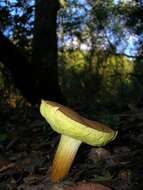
[
  {"x": 44, "y": 56},
  {"x": 19, "y": 67},
  {"x": 39, "y": 79}
]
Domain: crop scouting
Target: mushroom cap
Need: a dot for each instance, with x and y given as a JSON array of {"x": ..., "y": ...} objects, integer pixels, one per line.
[{"x": 68, "y": 122}]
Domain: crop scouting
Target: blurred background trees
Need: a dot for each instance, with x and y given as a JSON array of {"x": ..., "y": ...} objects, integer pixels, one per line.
[
  {"x": 100, "y": 50},
  {"x": 33, "y": 30}
]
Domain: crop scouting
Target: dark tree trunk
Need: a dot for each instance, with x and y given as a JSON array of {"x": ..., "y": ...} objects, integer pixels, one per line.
[
  {"x": 44, "y": 57},
  {"x": 38, "y": 79},
  {"x": 19, "y": 67}
]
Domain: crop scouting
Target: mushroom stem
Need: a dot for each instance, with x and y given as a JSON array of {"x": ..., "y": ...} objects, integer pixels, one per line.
[{"x": 64, "y": 157}]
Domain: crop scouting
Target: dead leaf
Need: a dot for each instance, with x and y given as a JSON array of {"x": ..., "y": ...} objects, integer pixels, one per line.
[
  {"x": 97, "y": 154},
  {"x": 5, "y": 165},
  {"x": 88, "y": 186}
]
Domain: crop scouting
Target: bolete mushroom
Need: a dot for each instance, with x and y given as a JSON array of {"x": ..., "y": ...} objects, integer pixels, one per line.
[{"x": 74, "y": 130}]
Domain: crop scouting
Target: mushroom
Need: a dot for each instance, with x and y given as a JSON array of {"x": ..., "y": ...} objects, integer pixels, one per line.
[{"x": 74, "y": 130}]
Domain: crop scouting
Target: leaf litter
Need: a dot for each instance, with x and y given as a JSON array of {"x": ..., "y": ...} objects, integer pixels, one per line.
[{"x": 27, "y": 147}]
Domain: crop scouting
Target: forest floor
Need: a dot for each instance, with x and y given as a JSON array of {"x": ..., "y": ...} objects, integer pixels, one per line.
[{"x": 27, "y": 147}]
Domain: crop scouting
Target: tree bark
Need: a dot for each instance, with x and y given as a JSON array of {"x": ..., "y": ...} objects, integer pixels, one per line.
[
  {"x": 39, "y": 79},
  {"x": 44, "y": 56},
  {"x": 18, "y": 65}
]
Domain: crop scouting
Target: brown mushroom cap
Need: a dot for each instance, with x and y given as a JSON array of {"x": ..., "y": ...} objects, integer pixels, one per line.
[{"x": 68, "y": 122}]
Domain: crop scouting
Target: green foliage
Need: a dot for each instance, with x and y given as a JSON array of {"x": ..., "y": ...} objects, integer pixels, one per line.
[
  {"x": 106, "y": 80},
  {"x": 2, "y": 78},
  {"x": 111, "y": 120},
  {"x": 16, "y": 22},
  {"x": 3, "y": 137},
  {"x": 97, "y": 77},
  {"x": 137, "y": 81}
]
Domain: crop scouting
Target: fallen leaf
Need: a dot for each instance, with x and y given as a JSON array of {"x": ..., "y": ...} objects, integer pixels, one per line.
[
  {"x": 88, "y": 186},
  {"x": 97, "y": 154},
  {"x": 5, "y": 165}
]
